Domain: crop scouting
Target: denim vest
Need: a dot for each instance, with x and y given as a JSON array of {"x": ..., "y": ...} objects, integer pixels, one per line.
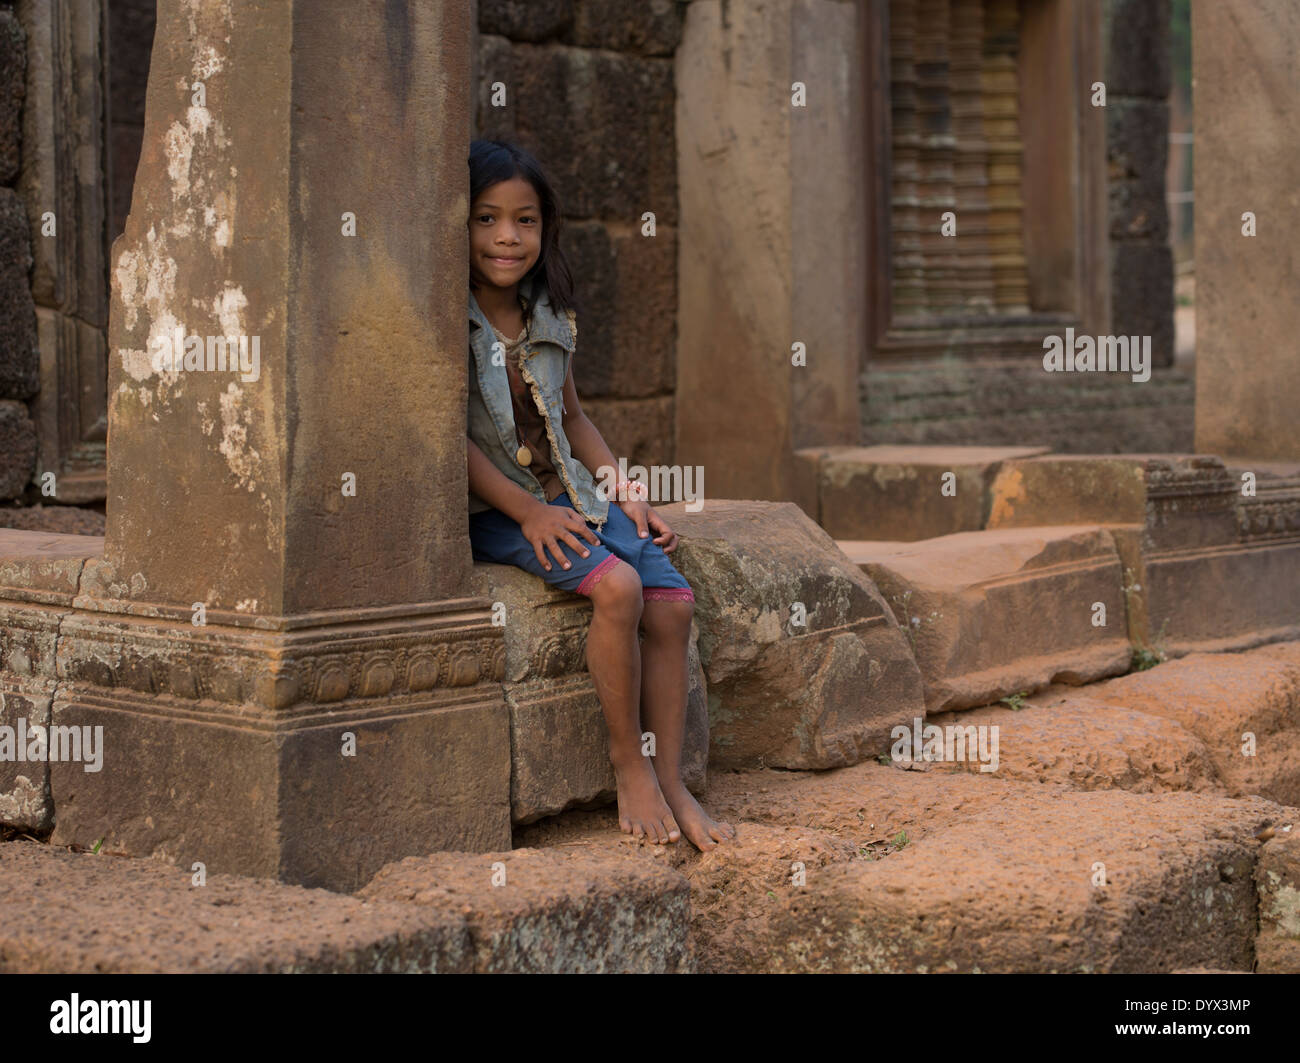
[{"x": 546, "y": 356}]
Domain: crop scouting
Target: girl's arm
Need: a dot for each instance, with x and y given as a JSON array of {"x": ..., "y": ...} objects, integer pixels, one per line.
[
  {"x": 495, "y": 487},
  {"x": 585, "y": 440},
  {"x": 589, "y": 447}
]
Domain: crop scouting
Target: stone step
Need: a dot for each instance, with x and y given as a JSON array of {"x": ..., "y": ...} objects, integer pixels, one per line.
[
  {"x": 559, "y": 911},
  {"x": 996, "y": 613},
  {"x": 901, "y": 493},
  {"x": 806, "y": 666},
  {"x": 911, "y": 871}
]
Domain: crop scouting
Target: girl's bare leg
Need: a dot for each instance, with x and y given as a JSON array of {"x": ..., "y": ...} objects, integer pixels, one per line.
[
  {"x": 614, "y": 661},
  {"x": 667, "y": 627}
]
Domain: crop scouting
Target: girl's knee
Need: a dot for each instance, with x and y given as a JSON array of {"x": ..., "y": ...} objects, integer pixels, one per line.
[
  {"x": 619, "y": 589},
  {"x": 668, "y": 618}
]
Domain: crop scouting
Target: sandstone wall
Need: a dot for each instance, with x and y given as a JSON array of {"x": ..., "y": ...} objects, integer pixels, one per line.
[{"x": 589, "y": 90}]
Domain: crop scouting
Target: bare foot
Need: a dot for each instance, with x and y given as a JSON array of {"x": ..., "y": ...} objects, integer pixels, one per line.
[
  {"x": 642, "y": 811},
  {"x": 701, "y": 829}
]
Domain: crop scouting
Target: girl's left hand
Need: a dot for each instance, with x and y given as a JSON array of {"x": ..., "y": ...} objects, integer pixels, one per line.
[{"x": 646, "y": 520}]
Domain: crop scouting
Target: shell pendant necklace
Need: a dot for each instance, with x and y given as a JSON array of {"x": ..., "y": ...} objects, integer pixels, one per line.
[{"x": 523, "y": 455}]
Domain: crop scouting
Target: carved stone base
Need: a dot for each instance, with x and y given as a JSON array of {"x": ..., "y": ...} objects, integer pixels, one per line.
[{"x": 315, "y": 755}]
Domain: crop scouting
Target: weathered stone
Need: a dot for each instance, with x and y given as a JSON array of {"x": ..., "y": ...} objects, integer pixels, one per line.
[
  {"x": 558, "y": 735},
  {"x": 901, "y": 493},
  {"x": 929, "y": 872},
  {"x": 1142, "y": 300},
  {"x": 1206, "y": 566},
  {"x": 995, "y": 613},
  {"x": 1069, "y": 489},
  {"x": 640, "y": 429},
  {"x": 1082, "y": 743},
  {"x": 1137, "y": 48},
  {"x": 1277, "y": 877},
  {"x": 1247, "y": 96},
  {"x": 771, "y": 306},
  {"x": 39, "y": 566},
  {"x": 13, "y": 87},
  {"x": 567, "y": 99},
  {"x": 25, "y": 800},
  {"x": 228, "y": 925},
  {"x": 988, "y": 895},
  {"x": 1011, "y": 402},
  {"x": 626, "y": 332},
  {"x": 576, "y": 910},
  {"x": 19, "y": 357},
  {"x": 806, "y": 666},
  {"x": 646, "y": 28},
  {"x": 1223, "y": 698},
  {"x": 62, "y": 520},
  {"x": 17, "y": 448},
  {"x": 294, "y": 660},
  {"x": 1137, "y": 146},
  {"x": 525, "y": 20}
]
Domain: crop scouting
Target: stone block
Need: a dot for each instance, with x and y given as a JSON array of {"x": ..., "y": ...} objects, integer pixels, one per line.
[
  {"x": 637, "y": 26},
  {"x": 639, "y": 429},
  {"x": 907, "y": 493},
  {"x": 39, "y": 566},
  {"x": 19, "y": 355},
  {"x": 525, "y": 20},
  {"x": 1277, "y": 877},
  {"x": 1137, "y": 49},
  {"x": 1247, "y": 95},
  {"x": 1142, "y": 296},
  {"x": 13, "y": 88},
  {"x": 1222, "y": 699},
  {"x": 806, "y": 666},
  {"x": 1076, "y": 741},
  {"x": 25, "y": 800},
  {"x": 1207, "y": 565},
  {"x": 572, "y": 910},
  {"x": 987, "y": 895},
  {"x": 929, "y": 872},
  {"x": 995, "y": 613},
  {"x": 228, "y": 925},
  {"x": 626, "y": 323},
  {"x": 562, "y": 103},
  {"x": 558, "y": 736},
  {"x": 1137, "y": 147},
  {"x": 17, "y": 448}
]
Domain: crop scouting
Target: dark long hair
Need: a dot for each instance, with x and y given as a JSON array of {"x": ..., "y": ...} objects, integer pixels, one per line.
[{"x": 491, "y": 161}]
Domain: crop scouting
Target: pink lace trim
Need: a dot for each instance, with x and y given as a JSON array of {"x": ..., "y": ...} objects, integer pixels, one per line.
[
  {"x": 593, "y": 577},
  {"x": 667, "y": 594}
]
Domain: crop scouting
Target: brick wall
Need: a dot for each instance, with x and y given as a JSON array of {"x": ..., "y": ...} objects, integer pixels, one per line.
[{"x": 590, "y": 92}]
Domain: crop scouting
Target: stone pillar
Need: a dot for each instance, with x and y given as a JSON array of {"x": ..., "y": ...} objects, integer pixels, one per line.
[
  {"x": 1246, "y": 65},
  {"x": 772, "y": 240},
  {"x": 287, "y": 540}
]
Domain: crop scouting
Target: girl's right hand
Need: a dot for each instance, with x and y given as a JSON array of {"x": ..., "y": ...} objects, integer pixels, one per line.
[{"x": 547, "y": 526}]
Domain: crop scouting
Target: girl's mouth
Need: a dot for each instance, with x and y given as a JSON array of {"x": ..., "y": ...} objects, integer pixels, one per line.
[{"x": 505, "y": 261}]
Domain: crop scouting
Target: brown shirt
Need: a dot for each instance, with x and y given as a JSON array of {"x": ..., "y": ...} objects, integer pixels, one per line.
[{"x": 529, "y": 420}]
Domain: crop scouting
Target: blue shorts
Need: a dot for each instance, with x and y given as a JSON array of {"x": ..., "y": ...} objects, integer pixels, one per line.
[{"x": 497, "y": 538}]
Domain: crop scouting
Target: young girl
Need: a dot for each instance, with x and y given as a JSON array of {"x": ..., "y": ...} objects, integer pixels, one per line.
[{"x": 535, "y": 503}]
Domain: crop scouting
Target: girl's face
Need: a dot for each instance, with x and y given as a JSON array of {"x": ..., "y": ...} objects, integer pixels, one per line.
[{"x": 505, "y": 233}]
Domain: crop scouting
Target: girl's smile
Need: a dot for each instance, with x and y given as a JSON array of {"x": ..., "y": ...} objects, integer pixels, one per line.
[{"x": 505, "y": 232}]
